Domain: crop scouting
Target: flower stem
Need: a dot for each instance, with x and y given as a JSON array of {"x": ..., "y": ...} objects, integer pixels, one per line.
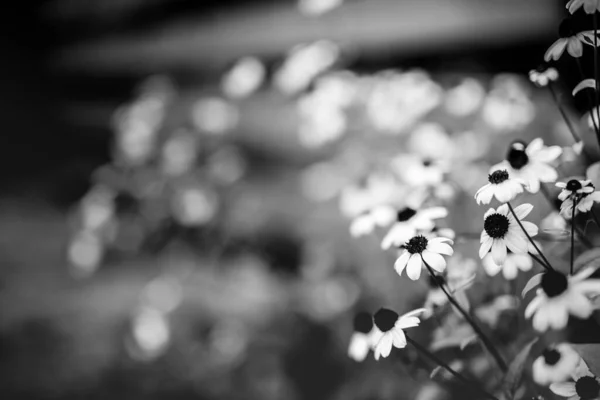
[
  {"x": 486, "y": 342},
  {"x": 448, "y": 368},
  {"x": 548, "y": 265},
  {"x": 537, "y": 259},
  {"x": 590, "y": 97},
  {"x": 576, "y": 137},
  {"x": 595, "y": 59},
  {"x": 573, "y": 234}
]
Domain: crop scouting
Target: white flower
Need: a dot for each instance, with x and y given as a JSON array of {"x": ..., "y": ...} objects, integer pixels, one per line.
[
  {"x": 415, "y": 170},
  {"x": 531, "y": 163},
  {"x": 418, "y": 250},
  {"x": 500, "y": 186},
  {"x": 556, "y": 364},
  {"x": 364, "y": 224},
  {"x": 570, "y": 39},
  {"x": 543, "y": 75},
  {"x": 501, "y": 232},
  {"x": 409, "y": 222},
  {"x": 589, "y": 6},
  {"x": 512, "y": 264},
  {"x": 390, "y": 329},
  {"x": 583, "y": 192},
  {"x": 363, "y": 337},
  {"x": 584, "y": 387},
  {"x": 560, "y": 296}
]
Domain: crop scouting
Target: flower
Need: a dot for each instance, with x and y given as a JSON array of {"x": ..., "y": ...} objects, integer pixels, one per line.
[
  {"x": 556, "y": 364},
  {"x": 390, "y": 327},
  {"x": 531, "y": 163},
  {"x": 362, "y": 339},
  {"x": 543, "y": 75},
  {"x": 512, "y": 264},
  {"x": 501, "y": 232},
  {"x": 589, "y": 6},
  {"x": 583, "y": 192},
  {"x": 570, "y": 39},
  {"x": 409, "y": 222},
  {"x": 500, "y": 186},
  {"x": 584, "y": 387},
  {"x": 419, "y": 250},
  {"x": 365, "y": 223},
  {"x": 416, "y": 170},
  {"x": 561, "y": 295}
]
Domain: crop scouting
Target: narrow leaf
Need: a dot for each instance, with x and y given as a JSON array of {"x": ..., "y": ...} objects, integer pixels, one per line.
[
  {"x": 533, "y": 282},
  {"x": 516, "y": 367},
  {"x": 584, "y": 84}
]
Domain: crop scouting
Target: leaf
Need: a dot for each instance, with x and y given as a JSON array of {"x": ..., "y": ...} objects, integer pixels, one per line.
[
  {"x": 468, "y": 341},
  {"x": 589, "y": 258},
  {"x": 557, "y": 232},
  {"x": 533, "y": 282},
  {"x": 591, "y": 355},
  {"x": 516, "y": 367},
  {"x": 593, "y": 173},
  {"x": 463, "y": 301},
  {"x": 465, "y": 284},
  {"x": 584, "y": 84},
  {"x": 435, "y": 372}
]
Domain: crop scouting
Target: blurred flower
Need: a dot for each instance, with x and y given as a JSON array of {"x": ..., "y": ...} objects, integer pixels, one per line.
[
  {"x": 582, "y": 192},
  {"x": 500, "y": 186},
  {"x": 512, "y": 264},
  {"x": 320, "y": 121},
  {"x": 531, "y": 163},
  {"x": 465, "y": 98},
  {"x": 194, "y": 205},
  {"x": 365, "y": 223},
  {"x": 317, "y": 7},
  {"x": 179, "y": 153},
  {"x": 422, "y": 137},
  {"x": 244, "y": 78},
  {"x": 419, "y": 251},
  {"x": 491, "y": 312},
  {"x": 214, "y": 115},
  {"x": 543, "y": 75},
  {"x": 164, "y": 293},
  {"x": 584, "y": 387},
  {"x": 556, "y": 364},
  {"x": 561, "y": 295},
  {"x": 501, "y": 231},
  {"x": 589, "y": 6},
  {"x": 409, "y": 222},
  {"x": 507, "y": 106},
  {"x": 226, "y": 165},
  {"x": 304, "y": 63},
  {"x": 85, "y": 252},
  {"x": 379, "y": 188},
  {"x": 570, "y": 39},
  {"x": 419, "y": 171},
  {"x": 150, "y": 334},
  {"x": 389, "y": 327},
  {"x": 97, "y": 208},
  {"x": 362, "y": 339}
]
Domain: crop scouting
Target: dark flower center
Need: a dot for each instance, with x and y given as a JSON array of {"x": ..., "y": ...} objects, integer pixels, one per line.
[
  {"x": 385, "y": 319},
  {"x": 363, "y": 322},
  {"x": 405, "y": 214},
  {"x": 573, "y": 185},
  {"x": 587, "y": 388},
  {"x": 496, "y": 225},
  {"x": 416, "y": 245},
  {"x": 427, "y": 162},
  {"x": 566, "y": 28},
  {"x": 554, "y": 283},
  {"x": 498, "y": 176},
  {"x": 517, "y": 158},
  {"x": 551, "y": 356}
]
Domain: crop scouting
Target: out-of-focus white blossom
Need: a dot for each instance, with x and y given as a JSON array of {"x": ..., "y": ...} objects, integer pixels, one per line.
[
  {"x": 214, "y": 115},
  {"x": 244, "y": 78},
  {"x": 465, "y": 98}
]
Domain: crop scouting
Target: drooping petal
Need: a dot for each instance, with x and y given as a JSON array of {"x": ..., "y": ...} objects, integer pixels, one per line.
[
  {"x": 490, "y": 267},
  {"x": 556, "y": 50},
  {"x": 484, "y": 194},
  {"x": 523, "y": 210},
  {"x": 401, "y": 262},
  {"x": 565, "y": 389},
  {"x": 584, "y": 84},
  {"x": 485, "y": 247},
  {"x": 434, "y": 260},
  {"x": 441, "y": 248},
  {"x": 580, "y": 306},
  {"x": 515, "y": 242},
  {"x": 383, "y": 348},
  {"x": 574, "y": 47},
  {"x": 362, "y": 225},
  {"x": 398, "y": 338},
  {"x": 533, "y": 305},
  {"x": 530, "y": 227},
  {"x": 413, "y": 269},
  {"x": 503, "y": 209},
  {"x": 498, "y": 251},
  {"x": 359, "y": 346}
]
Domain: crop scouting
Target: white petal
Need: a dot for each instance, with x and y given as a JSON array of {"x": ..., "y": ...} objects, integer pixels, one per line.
[
  {"x": 383, "y": 348},
  {"x": 434, "y": 260},
  {"x": 399, "y": 339},
  {"x": 441, "y": 248},
  {"x": 533, "y": 306},
  {"x": 584, "y": 84},
  {"x": 413, "y": 270},
  {"x": 510, "y": 270},
  {"x": 580, "y": 306},
  {"x": 485, "y": 247},
  {"x": 515, "y": 243},
  {"x": 362, "y": 225},
  {"x": 574, "y": 47},
  {"x": 523, "y": 210},
  {"x": 555, "y": 50},
  {"x": 484, "y": 194},
  {"x": 503, "y": 209},
  {"x": 401, "y": 262},
  {"x": 565, "y": 389},
  {"x": 498, "y": 251},
  {"x": 490, "y": 267},
  {"x": 359, "y": 347}
]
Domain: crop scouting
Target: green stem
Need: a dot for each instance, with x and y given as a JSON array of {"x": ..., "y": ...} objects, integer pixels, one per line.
[
  {"x": 448, "y": 368},
  {"x": 548, "y": 265},
  {"x": 487, "y": 343}
]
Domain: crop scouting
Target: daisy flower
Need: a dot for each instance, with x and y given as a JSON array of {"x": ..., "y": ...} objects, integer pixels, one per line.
[
  {"x": 501, "y": 232},
  {"x": 584, "y": 192},
  {"x": 531, "y": 163},
  {"x": 589, "y": 6},
  {"x": 512, "y": 264},
  {"x": 362, "y": 339},
  {"x": 543, "y": 75},
  {"x": 420, "y": 250},
  {"x": 585, "y": 385},
  {"x": 570, "y": 39},
  {"x": 365, "y": 223},
  {"x": 561, "y": 295},
  {"x": 501, "y": 187},
  {"x": 556, "y": 364},
  {"x": 409, "y": 222},
  {"x": 390, "y": 329},
  {"x": 416, "y": 170}
]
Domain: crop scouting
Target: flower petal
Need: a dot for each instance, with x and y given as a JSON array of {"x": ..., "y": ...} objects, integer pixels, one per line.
[
  {"x": 434, "y": 260},
  {"x": 498, "y": 251},
  {"x": 584, "y": 84},
  {"x": 401, "y": 262},
  {"x": 565, "y": 389},
  {"x": 413, "y": 269}
]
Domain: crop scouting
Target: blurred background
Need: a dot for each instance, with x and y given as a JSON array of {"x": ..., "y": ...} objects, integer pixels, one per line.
[{"x": 170, "y": 173}]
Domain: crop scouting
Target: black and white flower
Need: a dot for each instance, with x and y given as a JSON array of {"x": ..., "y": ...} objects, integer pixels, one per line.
[
  {"x": 362, "y": 339},
  {"x": 560, "y": 296},
  {"x": 585, "y": 385},
  {"x": 410, "y": 222},
  {"x": 582, "y": 192},
  {"x": 501, "y": 232},
  {"x": 556, "y": 364},
  {"x": 570, "y": 40},
  {"x": 543, "y": 75},
  {"x": 390, "y": 329},
  {"x": 589, "y": 6},
  {"x": 419, "y": 250},
  {"x": 530, "y": 163},
  {"x": 500, "y": 186}
]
